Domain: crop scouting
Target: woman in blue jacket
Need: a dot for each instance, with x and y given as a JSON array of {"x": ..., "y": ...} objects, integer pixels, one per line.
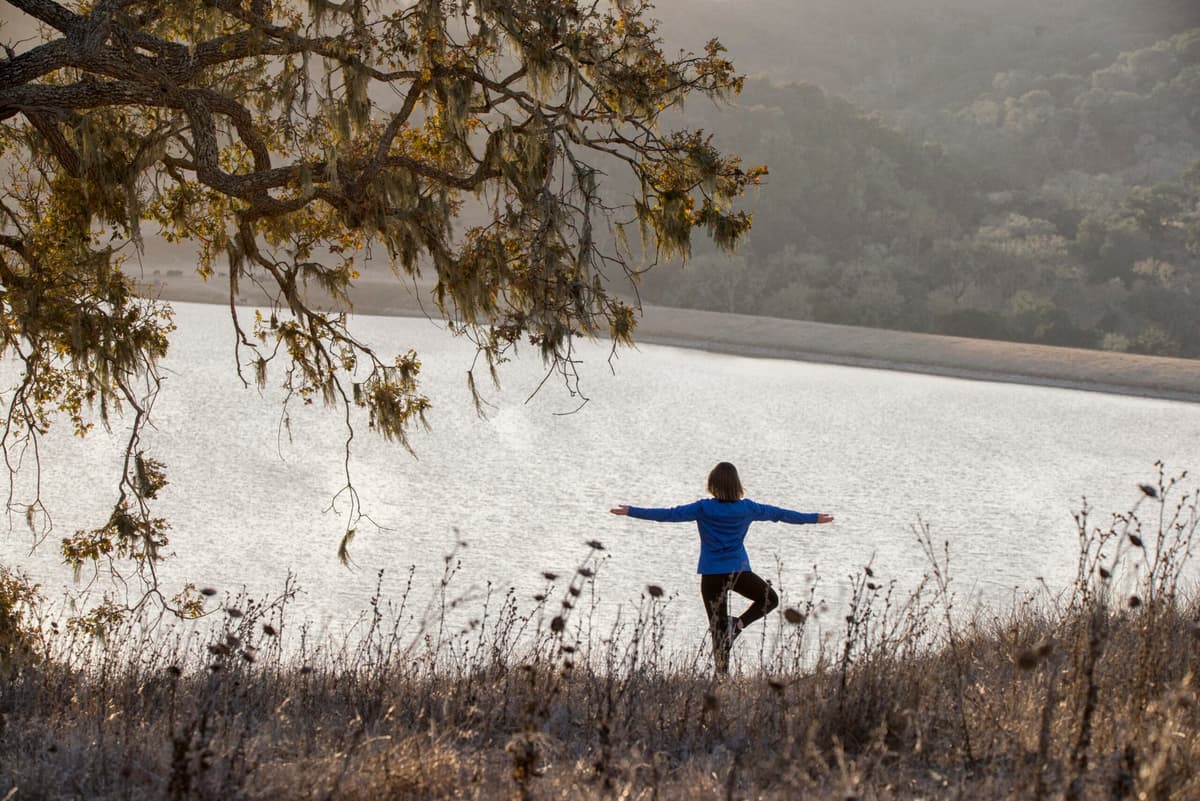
[{"x": 724, "y": 564}]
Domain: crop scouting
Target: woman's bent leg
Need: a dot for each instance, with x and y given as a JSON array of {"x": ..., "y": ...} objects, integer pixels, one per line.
[{"x": 762, "y": 596}]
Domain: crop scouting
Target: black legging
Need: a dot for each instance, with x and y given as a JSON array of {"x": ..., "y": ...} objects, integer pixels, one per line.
[{"x": 714, "y": 588}]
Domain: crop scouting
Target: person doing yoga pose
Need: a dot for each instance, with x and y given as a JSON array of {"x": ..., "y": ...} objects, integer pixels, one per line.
[{"x": 723, "y": 521}]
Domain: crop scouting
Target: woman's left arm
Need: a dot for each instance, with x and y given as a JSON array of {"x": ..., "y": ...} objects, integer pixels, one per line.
[{"x": 674, "y": 514}]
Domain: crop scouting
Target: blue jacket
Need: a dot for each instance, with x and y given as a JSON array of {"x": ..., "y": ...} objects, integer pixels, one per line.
[{"x": 723, "y": 526}]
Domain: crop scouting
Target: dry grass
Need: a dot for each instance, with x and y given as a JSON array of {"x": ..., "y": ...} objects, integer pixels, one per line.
[{"x": 1091, "y": 696}]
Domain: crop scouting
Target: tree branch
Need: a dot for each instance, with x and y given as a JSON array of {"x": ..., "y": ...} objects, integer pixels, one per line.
[{"x": 48, "y": 12}]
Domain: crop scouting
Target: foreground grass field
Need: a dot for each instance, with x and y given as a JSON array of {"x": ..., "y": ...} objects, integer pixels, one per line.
[{"x": 1091, "y": 695}]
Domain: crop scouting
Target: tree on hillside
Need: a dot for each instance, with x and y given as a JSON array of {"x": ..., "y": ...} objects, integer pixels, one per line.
[{"x": 291, "y": 139}]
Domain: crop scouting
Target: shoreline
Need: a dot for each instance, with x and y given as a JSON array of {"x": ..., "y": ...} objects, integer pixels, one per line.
[
  {"x": 751, "y": 336},
  {"x": 929, "y": 354}
]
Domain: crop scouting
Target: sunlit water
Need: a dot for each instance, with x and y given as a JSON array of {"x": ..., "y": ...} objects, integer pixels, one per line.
[{"x": 997, "y": 470}]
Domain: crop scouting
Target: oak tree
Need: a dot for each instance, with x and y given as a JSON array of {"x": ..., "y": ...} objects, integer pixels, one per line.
[{"x": 287, "y": 141}]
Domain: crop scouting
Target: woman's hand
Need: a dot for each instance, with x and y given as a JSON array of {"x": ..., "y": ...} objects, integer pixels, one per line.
[
  {"x": 823, "y": 518},
  {"x": 620, "y": 510}
]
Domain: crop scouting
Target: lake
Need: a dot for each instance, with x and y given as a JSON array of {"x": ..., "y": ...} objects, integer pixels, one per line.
[{"x": 996, "y": 470}]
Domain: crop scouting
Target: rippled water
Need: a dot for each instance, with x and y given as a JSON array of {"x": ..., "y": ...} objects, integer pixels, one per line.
[{"x": 997, "y": 470}]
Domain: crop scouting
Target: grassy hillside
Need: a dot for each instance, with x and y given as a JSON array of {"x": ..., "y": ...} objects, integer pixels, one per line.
[{"x": 1087, "y": 695}]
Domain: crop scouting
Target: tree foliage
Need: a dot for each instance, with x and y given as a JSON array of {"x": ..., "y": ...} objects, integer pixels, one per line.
[{"x": 294, "y": 141}]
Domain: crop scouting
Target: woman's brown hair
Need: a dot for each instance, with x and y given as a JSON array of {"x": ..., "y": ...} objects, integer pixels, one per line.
[{"x": 724, "y": 484}]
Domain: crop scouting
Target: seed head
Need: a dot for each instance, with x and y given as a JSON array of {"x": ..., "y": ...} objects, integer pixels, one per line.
[
  {"x": 208, "y": 591},
  {"x": 793, "y": 616},
  {"x": 1105, "y": 573},
  {"x": 269, "y": 630},
  {"x": 1136, "y": 541},
  {"x": 558, "y": 624},
  {"x": 595, "y": 545},
  {"x": 586, "y": 572},
  {"x": 654, "y": 590},
  {"x": 1148, "y": 490},
  {"x": 548, "y": 576},
  {"x": 233, "y": 612},
  {"x": 1134, "y": 602}
]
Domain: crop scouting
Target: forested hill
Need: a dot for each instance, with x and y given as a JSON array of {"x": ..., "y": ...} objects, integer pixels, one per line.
[
  {"x": 921, "y": 55},
  {"x": 1058, "y": 203}
]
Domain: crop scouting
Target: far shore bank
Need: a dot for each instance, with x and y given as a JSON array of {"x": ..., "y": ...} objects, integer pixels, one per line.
[{"x": 801, "y": 340}]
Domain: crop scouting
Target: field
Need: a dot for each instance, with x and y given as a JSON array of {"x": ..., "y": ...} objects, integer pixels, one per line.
[{"x": 1090, "y": 694}]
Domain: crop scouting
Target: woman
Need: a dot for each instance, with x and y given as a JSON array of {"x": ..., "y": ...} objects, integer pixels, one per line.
[{"x": 724, "y": 564}]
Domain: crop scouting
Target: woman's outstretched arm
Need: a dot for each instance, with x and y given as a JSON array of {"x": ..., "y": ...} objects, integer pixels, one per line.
[
  {"x": 778, "y": 514},
  {"x": 673, "y": 514}
]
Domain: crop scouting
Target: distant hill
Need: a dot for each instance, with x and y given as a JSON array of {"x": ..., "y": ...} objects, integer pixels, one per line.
[
  {"x": 921, "y": 55},
  {"x": 1061, "y": 209}
]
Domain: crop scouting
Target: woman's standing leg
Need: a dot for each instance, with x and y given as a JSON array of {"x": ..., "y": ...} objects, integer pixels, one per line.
[{"x": 714, "y": 589}]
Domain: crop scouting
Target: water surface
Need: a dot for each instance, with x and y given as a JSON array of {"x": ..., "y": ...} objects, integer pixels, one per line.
[{"x": 997, "y": 470}]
